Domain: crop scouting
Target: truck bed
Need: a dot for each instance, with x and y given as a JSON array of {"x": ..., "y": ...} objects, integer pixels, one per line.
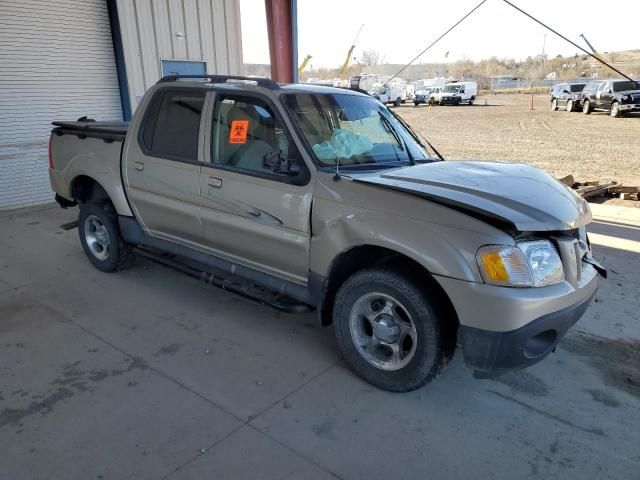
[{"x": 104, "y": 130}]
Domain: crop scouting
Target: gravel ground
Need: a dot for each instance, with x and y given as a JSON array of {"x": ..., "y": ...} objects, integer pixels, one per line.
[{"x": 593, "y": 147}]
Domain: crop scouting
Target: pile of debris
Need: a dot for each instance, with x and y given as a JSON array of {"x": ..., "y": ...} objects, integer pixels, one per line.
[{"x": 600, "y": 188}]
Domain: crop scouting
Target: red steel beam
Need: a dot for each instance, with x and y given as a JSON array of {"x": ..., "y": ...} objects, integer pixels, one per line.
[{"x": 280, "y": 39}]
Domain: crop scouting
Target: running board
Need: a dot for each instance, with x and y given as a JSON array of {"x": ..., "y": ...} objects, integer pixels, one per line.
[{"x": 226, "y": 281}]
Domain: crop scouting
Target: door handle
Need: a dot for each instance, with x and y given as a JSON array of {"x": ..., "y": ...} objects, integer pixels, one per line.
[
  {"x": 139, "y": 166},
  {"x": 214, "y": 182}
]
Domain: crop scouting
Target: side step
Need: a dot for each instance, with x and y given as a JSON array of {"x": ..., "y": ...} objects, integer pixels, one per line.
[{"x": 226, "y": 281}]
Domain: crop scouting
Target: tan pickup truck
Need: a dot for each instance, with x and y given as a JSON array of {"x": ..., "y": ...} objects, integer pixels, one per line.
[{"x": 308, "y": 197}]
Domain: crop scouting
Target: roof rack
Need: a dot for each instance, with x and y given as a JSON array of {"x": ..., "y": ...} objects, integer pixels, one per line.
[{"x": 262, "y": 81}]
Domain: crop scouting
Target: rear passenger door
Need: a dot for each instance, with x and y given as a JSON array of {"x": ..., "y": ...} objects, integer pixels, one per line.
[
  {"x": 250, "y": 213},
  {"x": 162, "y": 165}
]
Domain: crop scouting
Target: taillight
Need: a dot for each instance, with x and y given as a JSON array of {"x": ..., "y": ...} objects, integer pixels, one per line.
[{"x": 50, "y": 154}]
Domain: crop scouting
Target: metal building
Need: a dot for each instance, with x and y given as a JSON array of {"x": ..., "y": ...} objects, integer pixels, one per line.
[{"x": 65, "y": 59}]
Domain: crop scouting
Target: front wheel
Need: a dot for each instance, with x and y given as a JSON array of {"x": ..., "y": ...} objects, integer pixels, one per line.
[
  {"x": 586, "y": 107},
  {"x": 396, "y": 103},
  {"x": 388, "y": 330},
  {"x": 615, "y": 110},
  {"x": 471, "y": 100},
  {"x": 569, "y": 105},
  {"x": 100, "y": 238},
  {"x": 554, "y": 104},
  {"x": 415, "y": 104}
]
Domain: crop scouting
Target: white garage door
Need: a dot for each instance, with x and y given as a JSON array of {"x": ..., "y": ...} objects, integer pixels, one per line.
[{"x": 56, "y": 63}]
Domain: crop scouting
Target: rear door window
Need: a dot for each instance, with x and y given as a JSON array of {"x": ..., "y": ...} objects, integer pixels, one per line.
[{"x": 172, "y": 126}]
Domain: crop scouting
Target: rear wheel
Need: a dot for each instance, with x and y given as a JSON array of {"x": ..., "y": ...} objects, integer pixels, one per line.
[
  {"x": 615, "y": 110},
  {"x": 586, "y": 107},
  {"x": 554, "y": 104},
  {"x": 416, "y": 104},
  {"x": 388, "y": 330},
  {"x": 471, "y": 100},
  {"x": 396, "y": 103},
  {"x": 100, "y": 237},
  {"x": 569, "y": 105}
]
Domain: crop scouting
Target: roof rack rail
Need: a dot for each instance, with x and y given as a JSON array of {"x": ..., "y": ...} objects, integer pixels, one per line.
[{"x": 262, "y": 81}]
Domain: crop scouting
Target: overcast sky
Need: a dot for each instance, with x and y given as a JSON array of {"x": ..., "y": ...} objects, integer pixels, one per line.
[{"x": 399, "y": 29}]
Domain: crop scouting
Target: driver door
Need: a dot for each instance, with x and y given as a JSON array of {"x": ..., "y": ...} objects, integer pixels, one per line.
[{"x": 251, "y": 214}]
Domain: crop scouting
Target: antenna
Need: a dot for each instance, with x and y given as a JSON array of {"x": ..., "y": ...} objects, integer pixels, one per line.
[{"x": 337, "y": 176}]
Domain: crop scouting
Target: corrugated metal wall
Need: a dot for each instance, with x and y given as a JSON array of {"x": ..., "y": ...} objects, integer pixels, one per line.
[
  {"x": 56, "y": 62},
  {"x": 155, "y": 30}
]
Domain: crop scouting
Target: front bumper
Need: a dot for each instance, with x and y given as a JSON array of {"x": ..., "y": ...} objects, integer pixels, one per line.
[
  {"x": 503, "y": 329},
  {"x": 629, "y": 107},
  {"x": 493, "y": 353},
  {"x": 450, "y": 100}
]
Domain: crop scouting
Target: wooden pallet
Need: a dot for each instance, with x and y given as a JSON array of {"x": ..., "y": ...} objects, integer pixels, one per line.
[{"x": 599, "y": 188}]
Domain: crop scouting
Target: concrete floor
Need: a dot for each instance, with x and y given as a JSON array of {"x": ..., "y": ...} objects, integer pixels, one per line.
[{"x": 151, "y": 374}]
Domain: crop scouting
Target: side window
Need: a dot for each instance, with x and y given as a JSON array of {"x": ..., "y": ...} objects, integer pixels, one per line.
[
  {"x": 247, "y": 136},
  {"x": 172, "y": 126}
]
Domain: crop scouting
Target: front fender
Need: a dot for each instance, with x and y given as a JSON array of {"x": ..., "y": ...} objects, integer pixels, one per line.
[{"x": 442, "y": 250}]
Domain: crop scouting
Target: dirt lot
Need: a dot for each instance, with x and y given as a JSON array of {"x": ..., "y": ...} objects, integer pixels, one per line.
[{"x": 590, "y": 147}]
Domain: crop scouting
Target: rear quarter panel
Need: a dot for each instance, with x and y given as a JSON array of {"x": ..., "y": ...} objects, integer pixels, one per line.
[{"x": 74, "y": 157}]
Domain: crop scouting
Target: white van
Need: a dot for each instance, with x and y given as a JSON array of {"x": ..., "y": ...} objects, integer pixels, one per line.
[{"x": 458, "y": 93}]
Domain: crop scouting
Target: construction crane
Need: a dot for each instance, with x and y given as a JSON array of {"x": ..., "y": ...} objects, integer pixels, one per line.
[
  {"x": 589, "y": 44},
  {"x": 345, "y": 65},
  {"x": 303, "y": 64}
]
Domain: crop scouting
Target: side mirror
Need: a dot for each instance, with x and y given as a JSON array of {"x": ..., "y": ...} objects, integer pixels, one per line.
[
  {"x": 281, "y": 164},
  {"x": 295, "y": 169}
]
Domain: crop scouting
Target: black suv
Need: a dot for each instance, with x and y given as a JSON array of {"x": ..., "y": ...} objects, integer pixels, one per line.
[
  {"x": 566, "y": 95},
  {"x": 615, "y": 96}
]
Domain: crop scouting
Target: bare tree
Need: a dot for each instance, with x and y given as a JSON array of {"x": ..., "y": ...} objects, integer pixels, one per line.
[{"x": 371, "y": 57}]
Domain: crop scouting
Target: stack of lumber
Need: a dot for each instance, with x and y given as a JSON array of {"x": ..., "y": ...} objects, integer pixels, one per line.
[{"x": 599, "y": 188}]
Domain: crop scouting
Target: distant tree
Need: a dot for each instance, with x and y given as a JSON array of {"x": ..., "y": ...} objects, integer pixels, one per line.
[{"x": 371, "y": 57}]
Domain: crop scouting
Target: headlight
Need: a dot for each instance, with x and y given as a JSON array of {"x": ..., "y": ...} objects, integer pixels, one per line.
[
  {"x": 625, "y": 98},
  {"x": 529, "y": 264}
]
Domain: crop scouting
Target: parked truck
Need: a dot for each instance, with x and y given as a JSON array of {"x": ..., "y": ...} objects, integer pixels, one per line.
[
  {"x": 306, "y": 197},
  {"x": 618, "y": 97},
  {"x": 393, "y": 92}
]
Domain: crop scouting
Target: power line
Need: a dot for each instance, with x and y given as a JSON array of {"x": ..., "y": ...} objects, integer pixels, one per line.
[
  {"x": 433, "y": 43},
  {"x": 567, "y": 40}
]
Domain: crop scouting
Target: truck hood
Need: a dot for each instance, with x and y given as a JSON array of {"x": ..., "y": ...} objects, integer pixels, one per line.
[{"x": 520, "y": 195}]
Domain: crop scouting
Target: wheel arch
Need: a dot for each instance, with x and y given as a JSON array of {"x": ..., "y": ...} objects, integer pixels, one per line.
[
  {"x": 85, "y": 189},
  {"x": 360, "y": 257}
]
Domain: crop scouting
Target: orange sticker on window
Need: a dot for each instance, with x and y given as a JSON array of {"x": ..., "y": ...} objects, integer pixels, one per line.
[{"x": 238, "y": 132}]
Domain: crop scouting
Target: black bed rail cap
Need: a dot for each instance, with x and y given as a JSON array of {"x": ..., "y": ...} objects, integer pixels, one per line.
[{"x": 261, "y": 81}]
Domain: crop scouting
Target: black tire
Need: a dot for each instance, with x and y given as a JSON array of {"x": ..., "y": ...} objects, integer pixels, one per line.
[
  {"x": 554, "y": 104},
  {"x": 117, "y": 255},
  {"x": 570, "y": 106},
  {"x": 396, "y": 103},
  {"x": 432, "y": 349},
  {"x": 615, "y": 110},
  {"x": 471, "y": 100},
  {"x": 415, "y": 104},
  {"x": 586, "y": 107}
]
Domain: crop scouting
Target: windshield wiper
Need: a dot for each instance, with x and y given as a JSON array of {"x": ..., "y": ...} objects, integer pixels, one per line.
[
  {"x": 403, "y": 146},
  {"x": 417, "y": 137}
]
